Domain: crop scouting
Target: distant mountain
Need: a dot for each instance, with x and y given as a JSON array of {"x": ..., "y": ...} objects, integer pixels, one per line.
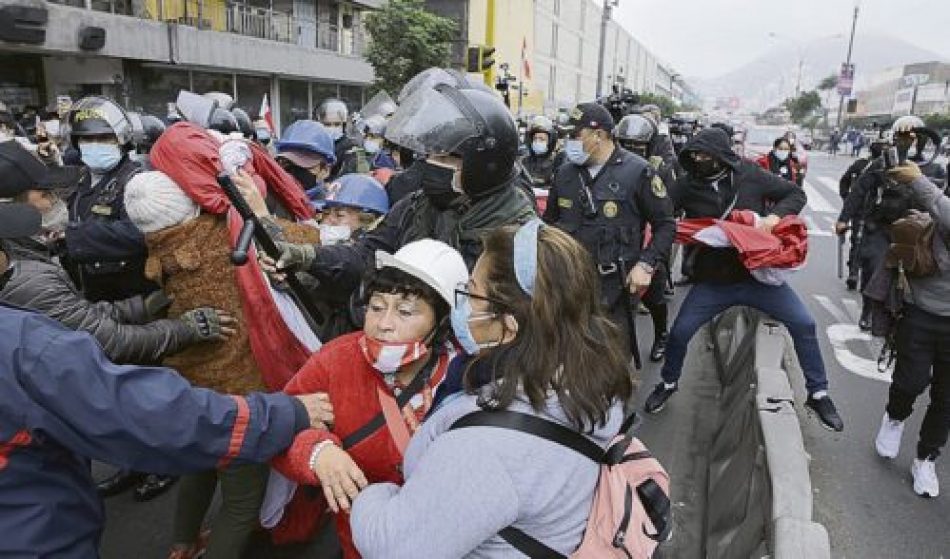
[{"x": 771, "y": 78}]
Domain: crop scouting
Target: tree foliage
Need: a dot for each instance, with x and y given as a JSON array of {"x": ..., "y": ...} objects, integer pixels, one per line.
[
  {"x": 662, "y": 101},
  {"x": 828, "y": 83},
  {"x": 803, "y": 106},
  {"x": 406, "y": 39}
]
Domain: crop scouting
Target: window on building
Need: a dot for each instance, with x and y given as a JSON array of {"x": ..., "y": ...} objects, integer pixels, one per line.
[
  {"x": 203, "y": 82},
  {"x": 294, "y": 101},
  {"x": 21, "y": 80},
  {"x": 250, "y": 93},
  {"x": 352, "y": 95},
  {"x": 323, "y": 91},
  {"x": 153, "y": 87}
]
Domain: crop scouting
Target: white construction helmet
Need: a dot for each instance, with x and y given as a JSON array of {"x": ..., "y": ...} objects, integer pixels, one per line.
[{"x": 435, "y": 263}]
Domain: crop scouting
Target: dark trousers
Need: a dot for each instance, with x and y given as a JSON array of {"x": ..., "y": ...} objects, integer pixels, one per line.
[
  {"x": 706, "y": 300},
  {"x": 923, "y": 359}
]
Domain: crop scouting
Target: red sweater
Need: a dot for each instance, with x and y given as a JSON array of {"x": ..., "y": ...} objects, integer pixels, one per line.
[
  {"x": 766, "y": 162},
  {"x": 341, "y": 370}
]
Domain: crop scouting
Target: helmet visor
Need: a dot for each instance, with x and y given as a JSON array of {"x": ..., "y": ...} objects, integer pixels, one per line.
[
  {"x": 103, "y": 110},
  {"x": 427, "y": 79},
  {"x": 428, "y": 122}
]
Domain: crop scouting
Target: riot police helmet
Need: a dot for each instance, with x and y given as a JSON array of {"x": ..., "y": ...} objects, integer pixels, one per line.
[{"x": 97, "y": 116}]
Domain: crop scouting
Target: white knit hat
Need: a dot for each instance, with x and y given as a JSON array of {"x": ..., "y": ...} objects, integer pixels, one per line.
[{"x": 154, "y": 202}]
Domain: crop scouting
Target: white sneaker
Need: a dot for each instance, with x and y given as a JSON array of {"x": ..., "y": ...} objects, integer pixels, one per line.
[
  {"x": 926, "y": 483},
  {"x": 888, "y": 441}
]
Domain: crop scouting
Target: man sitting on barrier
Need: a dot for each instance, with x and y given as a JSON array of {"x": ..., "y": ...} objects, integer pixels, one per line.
[{"x": 717, "y": 183}]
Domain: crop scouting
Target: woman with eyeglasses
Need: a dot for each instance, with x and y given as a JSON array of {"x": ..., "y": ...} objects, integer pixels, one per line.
[
  {"x": 380, "y": 382},
  {"x": 532, "y": 317}
]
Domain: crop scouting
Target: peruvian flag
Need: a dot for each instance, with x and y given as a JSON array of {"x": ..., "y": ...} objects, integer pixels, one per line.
[
  {"x": 769, "y": 257},
  {"x": 266, "y": 113},
  {"x": 524, "y": 58}
]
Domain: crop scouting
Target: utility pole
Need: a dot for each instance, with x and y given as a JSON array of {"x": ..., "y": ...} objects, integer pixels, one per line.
[
  {"x": 605, "y": 17},
  {"x": 490, "y": 40},
  {"x": 854, "y": 24}
]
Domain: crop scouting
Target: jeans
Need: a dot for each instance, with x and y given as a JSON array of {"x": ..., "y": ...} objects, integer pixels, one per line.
[
  {"x": 923, "y": 359},
  {"x": 706, "y": 300}
]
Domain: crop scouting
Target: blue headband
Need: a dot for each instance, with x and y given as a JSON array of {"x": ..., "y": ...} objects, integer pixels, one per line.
[{"x": 526, "y": 255}]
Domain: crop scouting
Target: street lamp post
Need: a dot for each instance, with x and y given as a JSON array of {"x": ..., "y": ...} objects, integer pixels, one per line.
[
  {"x": 854, "y": 24},
  {"x": 673, "y": 76}
]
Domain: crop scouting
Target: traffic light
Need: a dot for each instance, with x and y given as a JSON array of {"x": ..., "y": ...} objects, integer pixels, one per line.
[
  {"x": 472, "y": 60},
  {"x": 486, "y": 59}
]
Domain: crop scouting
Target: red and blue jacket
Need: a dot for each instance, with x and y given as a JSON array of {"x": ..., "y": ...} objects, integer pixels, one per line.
[{"x": 62, "y": 402}]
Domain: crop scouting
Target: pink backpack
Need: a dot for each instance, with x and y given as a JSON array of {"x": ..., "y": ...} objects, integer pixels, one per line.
[{"x": 630, "y": 514}]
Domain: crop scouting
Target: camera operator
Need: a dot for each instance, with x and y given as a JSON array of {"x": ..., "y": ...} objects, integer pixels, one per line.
[{"x": 923, "y": 355}]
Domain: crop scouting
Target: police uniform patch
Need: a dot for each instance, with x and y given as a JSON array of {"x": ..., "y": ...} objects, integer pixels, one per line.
[
  {"x": 565, "y": 203},
  {"x": 576, "y": 113},
  {"x": 610, "y": 209},
  {"x": 658, "y": 188}
]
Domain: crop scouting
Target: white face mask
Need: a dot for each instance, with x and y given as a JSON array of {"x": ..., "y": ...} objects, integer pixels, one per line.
[
  {"x": 335, "y": 131},
  {"x": 539, "y": 148},
  {"x": 781, "y": 154},
  {"x": 371, "y": 146},
  {"x": 55, "y": 220},
  {"x": 334, "y": 234}
]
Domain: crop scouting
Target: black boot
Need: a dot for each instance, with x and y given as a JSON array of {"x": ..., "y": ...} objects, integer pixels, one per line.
[
  {"x": 865, "y": 322},
  {"x": 152, "y": 486},
  {"x": 121, "y": 481},
  {"x": 658, "y": 351}
]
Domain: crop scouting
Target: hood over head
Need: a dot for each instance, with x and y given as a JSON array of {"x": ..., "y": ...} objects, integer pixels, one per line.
[{"x": 713, "y": 141}]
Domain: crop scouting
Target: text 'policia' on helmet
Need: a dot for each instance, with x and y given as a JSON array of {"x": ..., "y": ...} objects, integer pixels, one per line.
[
  {"x": 99, "y": 116},
  {"x": 468, "y": 123}
]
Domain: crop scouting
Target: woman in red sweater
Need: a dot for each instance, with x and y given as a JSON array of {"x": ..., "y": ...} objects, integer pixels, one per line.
[
  {"x": 781, "y": 161},
  {"x": 380, "y": 381}
]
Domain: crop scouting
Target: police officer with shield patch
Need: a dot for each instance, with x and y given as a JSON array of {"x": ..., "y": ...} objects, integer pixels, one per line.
[{"x": 605, "y": 196}]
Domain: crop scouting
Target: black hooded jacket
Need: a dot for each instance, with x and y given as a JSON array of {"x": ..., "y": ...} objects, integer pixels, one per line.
[{"x": 746, "y": 184}]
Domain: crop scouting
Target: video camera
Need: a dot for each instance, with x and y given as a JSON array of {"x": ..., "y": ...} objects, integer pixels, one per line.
[{"x": 620, "y": 102}]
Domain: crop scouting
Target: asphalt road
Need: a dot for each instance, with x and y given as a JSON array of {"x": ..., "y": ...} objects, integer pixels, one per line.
[{"x": 865, "y": 502}]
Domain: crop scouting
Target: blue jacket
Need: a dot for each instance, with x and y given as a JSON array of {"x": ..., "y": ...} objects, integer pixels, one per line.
[{"x": 62, "y": 402}]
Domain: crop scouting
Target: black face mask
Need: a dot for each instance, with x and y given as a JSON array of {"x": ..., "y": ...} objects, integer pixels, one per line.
[
  {"x": 437, "y": 185},
  {"x": 304, "y": 177},
  {"x": 705, "y": 169}
]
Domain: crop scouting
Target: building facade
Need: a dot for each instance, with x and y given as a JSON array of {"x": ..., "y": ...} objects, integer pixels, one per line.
[
  {"x": 552, "y": 47},
  {"x": 920, "y": 89},
  {"x": 142, "y": 52}
]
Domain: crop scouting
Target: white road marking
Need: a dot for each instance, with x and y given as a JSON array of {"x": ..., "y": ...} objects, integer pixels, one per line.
[
  {"x": 845, "y": 332},
  {"x": 813, "y": 228},
  {"x": 816, "y": 201},
  {"x": 854, "y": 308},
  {"x": 834, "y": 310},
  {"x": 830, "y": 183}
]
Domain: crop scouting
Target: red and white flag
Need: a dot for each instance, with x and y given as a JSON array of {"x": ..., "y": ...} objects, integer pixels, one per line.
[
  {"x": 266, "y": 114},
  {"x": 524, "y": 58},
  {"x": 769, "y": 257}
]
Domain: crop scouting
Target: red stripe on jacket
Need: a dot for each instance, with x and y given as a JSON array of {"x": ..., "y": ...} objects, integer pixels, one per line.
[
  {"x": 20, "y": 438},
  {"x": 238, "y": 432}
]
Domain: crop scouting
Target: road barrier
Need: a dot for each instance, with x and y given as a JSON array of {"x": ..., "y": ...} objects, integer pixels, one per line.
[{"x": 759, "y": 489}]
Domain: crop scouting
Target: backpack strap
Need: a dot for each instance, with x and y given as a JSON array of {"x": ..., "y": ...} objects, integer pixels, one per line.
[
  {"x": 657, "y": 506},
  {"x": 528, "y": 545},
  {"x": 533, "y": 426}
]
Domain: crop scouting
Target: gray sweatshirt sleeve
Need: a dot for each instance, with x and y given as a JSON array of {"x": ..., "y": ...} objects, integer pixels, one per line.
[
  {"x": 456, "y": 498},
  {"x": 933, "y": 200}
]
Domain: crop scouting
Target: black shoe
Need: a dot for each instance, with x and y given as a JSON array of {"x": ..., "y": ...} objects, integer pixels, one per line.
[
  {"x": 658, "y": 351},
  {"x": 852, "y": 283},
  {"x": 152, "y": 486},
  {"x": 120, "y": 482},
  {"x": 827, "y": 414},
  {"x": 864, "y": 324},
  {"x": 658, "y": 398}
]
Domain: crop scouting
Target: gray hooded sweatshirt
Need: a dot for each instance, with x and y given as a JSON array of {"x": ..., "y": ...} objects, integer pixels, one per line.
[
  {"x": 933, "y": 294},
  {"x": 463, "y": 486}
]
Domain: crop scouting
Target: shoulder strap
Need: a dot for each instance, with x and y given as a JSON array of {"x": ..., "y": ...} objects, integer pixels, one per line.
[
  {"x": 533, "y": 425},
  {"x": 378, "y": 420},
  {"x": 528, "y": 545}
]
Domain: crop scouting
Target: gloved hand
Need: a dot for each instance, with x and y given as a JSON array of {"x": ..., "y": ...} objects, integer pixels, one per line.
[
  {"x": 207, "y": 324},
  {"x": 905, "y": 173},
  {"x": 295, "y": 257},
  {"x": 156, "y": 305}
]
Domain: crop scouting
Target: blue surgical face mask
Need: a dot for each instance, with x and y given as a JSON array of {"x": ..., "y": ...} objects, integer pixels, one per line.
[
  {"x": 336, "y": 132},
  {"x": 99, "y": 157},
  {"x": 781, "y": 154},
  {"x": 574, "y": 150},
  {"x": 539, "y": 148},
  {"x": 372, "y": 146},
  {"x": 461, "y": 316}
]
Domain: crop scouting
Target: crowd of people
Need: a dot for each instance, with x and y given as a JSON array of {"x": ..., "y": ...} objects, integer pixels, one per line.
[{"x": 304, "y": 321}]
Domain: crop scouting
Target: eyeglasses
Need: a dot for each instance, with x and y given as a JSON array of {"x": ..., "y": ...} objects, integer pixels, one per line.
[{"x": 462, "y": 295}]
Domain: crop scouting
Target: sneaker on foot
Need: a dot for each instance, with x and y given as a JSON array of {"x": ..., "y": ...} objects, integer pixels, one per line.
[
  {"x": 658, "y": 351},
  {"x": 828, "y": 416},
  {"x": 657, "y": 399},
  {"x": 926, "y": 483},
  {"x": 888, "y": 441}
]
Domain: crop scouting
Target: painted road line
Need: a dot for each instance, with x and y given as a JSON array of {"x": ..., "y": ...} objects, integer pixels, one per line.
[
  {"x": 831, "y": 184},
  {"x": 813, "y": 229},
  {"x": 816, "y": 201},
  {"x": 845, "y": 337}
]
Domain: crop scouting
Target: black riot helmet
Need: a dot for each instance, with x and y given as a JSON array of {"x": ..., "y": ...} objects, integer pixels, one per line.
[
  {"x": 471, "y": 124},
  {"x": 99, "y": 116},
  {"x": 543, "y": 124},
  {"x": 245, "y": 126},
  {"x": 152, "y": 129},
  {"x": 634, "y": 133},
  {"x": 223, "y": 121}
]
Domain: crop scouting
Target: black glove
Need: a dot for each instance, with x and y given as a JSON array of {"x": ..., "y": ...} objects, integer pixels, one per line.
[{"x": 204, "y": 323}]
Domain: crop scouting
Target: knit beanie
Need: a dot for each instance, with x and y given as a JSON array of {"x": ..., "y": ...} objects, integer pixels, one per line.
[{"x": 154, "y": 202}]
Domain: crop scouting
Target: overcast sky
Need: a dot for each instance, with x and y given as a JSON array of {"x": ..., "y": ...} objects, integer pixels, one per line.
[{"x": 707, "y": 38}]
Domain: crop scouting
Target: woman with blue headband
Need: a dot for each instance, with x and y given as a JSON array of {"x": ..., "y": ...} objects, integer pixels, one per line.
[{"x": 531, "y": 315}]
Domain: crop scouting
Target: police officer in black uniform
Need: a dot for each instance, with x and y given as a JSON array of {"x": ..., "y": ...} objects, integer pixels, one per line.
[
  {"x": 637, "y": 134},
  {"x": 105, "y": 251},
  {"x": 604, "y": 196},
  {"x": 541, "y": 141},
  {"x": 875, "y": 202},
  {"x": 845, "y": 183}
]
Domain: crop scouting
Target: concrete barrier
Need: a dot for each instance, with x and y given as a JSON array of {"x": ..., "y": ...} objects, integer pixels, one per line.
[{"x": 759, "y": 488}]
